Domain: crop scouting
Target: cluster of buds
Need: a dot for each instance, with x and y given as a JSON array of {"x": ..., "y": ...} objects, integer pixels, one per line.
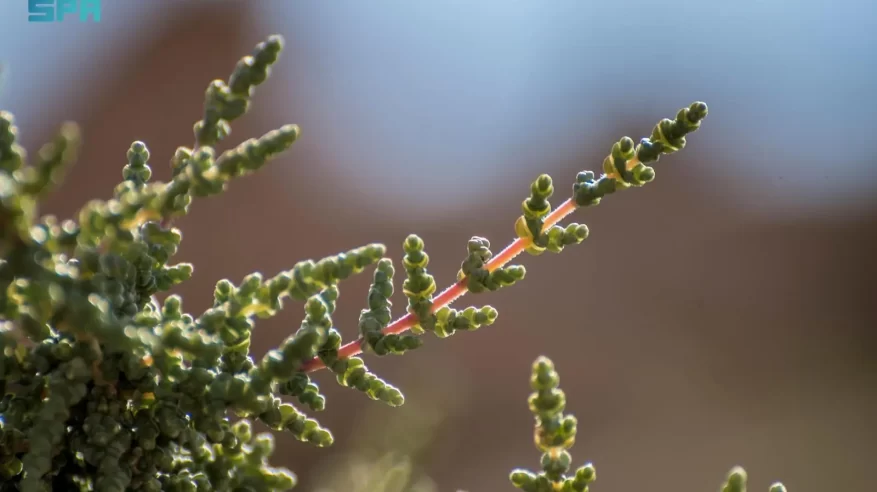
[{"x": 103, "y": 387}]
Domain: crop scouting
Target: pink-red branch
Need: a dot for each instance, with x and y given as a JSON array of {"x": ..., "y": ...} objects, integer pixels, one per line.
[{"x": 450, "y": 294}]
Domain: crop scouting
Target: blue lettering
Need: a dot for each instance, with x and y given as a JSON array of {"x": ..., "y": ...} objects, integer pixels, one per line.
[
  {"x": 87, "y": 7},
  {"x": 40, "y": 11},
  {"x": 56, "y": 10},
  {"x": 65, "y": 7}
]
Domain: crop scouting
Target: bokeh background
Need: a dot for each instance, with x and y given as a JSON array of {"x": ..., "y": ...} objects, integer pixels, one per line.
[{"x": 723, "y": 315}]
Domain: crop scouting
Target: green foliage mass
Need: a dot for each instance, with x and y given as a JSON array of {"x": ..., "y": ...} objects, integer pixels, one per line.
[{"x": 103, "y": 387}]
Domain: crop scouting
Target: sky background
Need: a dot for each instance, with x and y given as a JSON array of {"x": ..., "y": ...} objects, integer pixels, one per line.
[{"x": 485, "y": 86}]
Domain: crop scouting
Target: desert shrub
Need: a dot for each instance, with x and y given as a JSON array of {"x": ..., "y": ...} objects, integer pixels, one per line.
[{"x": 103, "y": 387}]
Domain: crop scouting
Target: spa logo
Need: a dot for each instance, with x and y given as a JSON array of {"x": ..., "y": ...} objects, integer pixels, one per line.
[{"x": 58, "y": 10}]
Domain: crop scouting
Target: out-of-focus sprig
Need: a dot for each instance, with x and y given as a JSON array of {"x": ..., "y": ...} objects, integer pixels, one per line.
[
  {"x": 736, "y": 482},
  {"x": 555, "y": 434}
]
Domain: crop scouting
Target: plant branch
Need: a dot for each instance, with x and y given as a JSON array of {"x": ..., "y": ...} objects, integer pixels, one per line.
[
  {"x": 450, "y": 294},
  {"x": 458, "y": 289}
]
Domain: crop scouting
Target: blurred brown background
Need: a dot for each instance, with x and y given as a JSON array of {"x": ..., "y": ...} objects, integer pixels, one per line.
[{"x": 705, "y": 323}]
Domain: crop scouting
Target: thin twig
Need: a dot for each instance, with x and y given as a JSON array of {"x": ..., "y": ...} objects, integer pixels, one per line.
[{"x": 450, "y": 294}]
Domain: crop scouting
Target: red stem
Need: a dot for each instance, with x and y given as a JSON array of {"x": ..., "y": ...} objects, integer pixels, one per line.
[{"x": 450, "y": 294}]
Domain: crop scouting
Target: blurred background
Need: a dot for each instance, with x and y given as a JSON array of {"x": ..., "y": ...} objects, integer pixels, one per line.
[{"x": 723, "y": 315}]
